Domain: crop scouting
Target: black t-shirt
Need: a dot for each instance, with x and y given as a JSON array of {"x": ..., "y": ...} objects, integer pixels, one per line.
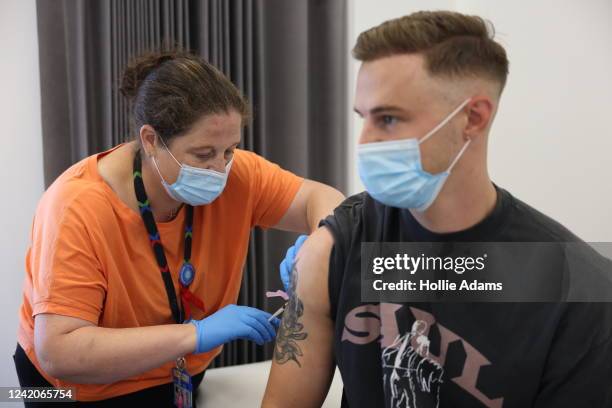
[{"x": 461, "y": 355}]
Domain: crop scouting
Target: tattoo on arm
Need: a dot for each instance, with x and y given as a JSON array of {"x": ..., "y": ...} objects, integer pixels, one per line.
[{"x": 291, "y": 330}]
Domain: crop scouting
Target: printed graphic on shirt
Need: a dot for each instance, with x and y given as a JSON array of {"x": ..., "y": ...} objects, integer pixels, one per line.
[
  {"x": 413, "y": 374},
  {"x": 411, "y": 379}
]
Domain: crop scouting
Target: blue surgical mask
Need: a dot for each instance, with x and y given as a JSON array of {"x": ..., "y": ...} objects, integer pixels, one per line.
[
  {"x": 392, "y": 172},
  {"x": 195, "y": 186}
]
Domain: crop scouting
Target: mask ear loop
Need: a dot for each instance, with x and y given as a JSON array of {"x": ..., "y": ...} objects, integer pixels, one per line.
[
  {"x": 155, "y": 160},
  {"x": 158, "y": 172},
  {"x": 168, "y": 150},
  {"x": 440, "y": 125},
  {"x": 458, "y": 156},
  {"x": 444, "y": 122}
]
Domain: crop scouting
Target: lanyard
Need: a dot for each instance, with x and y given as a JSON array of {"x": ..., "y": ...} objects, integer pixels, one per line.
[{"x": 187, "y": 272}]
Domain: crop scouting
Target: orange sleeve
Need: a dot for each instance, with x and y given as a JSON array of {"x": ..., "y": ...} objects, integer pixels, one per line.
[
  {"x": 274, "y": 190},
  {"x": 67, "y": 277}
]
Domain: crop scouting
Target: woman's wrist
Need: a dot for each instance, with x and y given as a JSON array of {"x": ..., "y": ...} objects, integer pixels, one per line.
[{"x": 189, "y": 338}]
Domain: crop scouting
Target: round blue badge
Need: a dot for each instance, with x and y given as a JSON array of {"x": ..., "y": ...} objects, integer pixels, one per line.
[{"x": 187, "y": 274}]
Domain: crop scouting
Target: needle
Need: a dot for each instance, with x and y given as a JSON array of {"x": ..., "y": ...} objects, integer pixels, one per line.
[{"x": 278, "y": 312}]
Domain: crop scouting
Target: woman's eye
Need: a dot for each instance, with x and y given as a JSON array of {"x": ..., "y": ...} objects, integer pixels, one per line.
[{"x": 203, "y": 156}]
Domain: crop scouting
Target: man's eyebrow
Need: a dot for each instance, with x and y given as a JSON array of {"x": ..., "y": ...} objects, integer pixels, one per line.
[{"x": 381, "y": 109}]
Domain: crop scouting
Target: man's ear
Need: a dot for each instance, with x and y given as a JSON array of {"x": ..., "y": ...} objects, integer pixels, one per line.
[
  {"x": 480, "y": 113},
  {"x": 148, "y": 140}
]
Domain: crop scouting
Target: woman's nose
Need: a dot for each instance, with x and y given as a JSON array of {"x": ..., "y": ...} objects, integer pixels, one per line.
[{"x": 218, "y": 164}]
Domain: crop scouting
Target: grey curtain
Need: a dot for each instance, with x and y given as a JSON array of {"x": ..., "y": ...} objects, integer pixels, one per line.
[{"x": 287, "y": 57}]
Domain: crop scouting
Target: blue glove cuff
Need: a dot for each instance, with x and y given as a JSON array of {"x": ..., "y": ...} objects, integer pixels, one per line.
[{"x": 198, "y": 335}]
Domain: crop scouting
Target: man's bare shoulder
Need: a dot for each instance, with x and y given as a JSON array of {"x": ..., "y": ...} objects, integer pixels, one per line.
[
  {"x": 312, "y": 270},
  {"x": 316, "y": 249}
]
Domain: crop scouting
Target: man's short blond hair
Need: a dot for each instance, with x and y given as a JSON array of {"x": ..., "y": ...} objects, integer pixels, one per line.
[{"x": 452, "y": 44}]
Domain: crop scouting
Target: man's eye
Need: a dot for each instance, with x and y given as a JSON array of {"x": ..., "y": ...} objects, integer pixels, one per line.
[
  {"x": 229, "y": 153},
  {"x": 387, "y": 120}
]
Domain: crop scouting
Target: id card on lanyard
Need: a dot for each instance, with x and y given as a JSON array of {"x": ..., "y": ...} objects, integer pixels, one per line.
[{"x": 183, "y": 386}]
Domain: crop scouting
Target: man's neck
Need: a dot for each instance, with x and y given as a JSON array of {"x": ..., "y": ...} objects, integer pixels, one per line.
[{"x": 459, "y": 206}]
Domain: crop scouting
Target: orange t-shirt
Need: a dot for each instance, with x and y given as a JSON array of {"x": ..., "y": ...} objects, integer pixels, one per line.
[{"x": 90, "y": 257}]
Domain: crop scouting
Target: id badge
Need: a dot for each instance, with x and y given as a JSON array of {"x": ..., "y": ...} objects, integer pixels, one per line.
[{"x": 183, "y": 388}]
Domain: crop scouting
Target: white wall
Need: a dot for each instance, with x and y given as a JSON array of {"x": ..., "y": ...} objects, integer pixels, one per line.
[
  {"x": 551, "y": 144},
  {"x": 21, "y": 174}
]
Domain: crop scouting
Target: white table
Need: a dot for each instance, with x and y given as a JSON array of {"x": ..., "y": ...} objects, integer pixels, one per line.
[{"x": 243, "y": 386}]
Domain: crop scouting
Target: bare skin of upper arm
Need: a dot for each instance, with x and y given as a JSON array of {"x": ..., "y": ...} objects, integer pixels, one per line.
[
  {"x": 304, "y": 213},
  {"x": 302, "y": 367}
]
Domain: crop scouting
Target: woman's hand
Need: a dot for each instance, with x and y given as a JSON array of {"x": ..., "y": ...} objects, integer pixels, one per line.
[
  {"x": 234, "y": 322},
  {"x": 286, "y": 266}
]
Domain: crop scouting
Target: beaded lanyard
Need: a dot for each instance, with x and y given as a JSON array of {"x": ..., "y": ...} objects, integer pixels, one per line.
[{"x": 187, "y": 270}]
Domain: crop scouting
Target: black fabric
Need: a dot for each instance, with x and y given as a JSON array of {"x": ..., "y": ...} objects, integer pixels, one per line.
[
  {"x": 158, "y": 396},
  {"x": 460, "y": 355}
]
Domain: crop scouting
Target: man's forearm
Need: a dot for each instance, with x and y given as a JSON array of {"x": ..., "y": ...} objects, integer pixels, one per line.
[
  {"x": 102, "y": 355},
  {"x": 322, "y": 204}
]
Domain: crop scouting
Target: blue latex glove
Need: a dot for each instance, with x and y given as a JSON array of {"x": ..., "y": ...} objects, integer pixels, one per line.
[
  {"x": 231, "y": 323},
  {"x": 286, "y": 266}
]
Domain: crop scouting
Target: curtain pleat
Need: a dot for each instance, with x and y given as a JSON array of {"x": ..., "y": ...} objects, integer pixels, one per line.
[{"x": 287, "y": 57}]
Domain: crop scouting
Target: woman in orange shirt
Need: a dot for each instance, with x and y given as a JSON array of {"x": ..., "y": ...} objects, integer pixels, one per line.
[{"x": 129, "y": 245}]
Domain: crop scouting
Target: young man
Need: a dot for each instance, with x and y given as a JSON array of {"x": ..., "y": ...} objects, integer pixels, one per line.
[{"x": 428, "y": 90}]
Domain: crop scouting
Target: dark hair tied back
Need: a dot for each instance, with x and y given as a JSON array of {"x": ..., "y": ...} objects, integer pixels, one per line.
[{"x": 171, "y": 90}]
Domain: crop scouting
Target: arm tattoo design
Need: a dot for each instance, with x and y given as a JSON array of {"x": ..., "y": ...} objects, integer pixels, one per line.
[{"x": 291, "y": 330}]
